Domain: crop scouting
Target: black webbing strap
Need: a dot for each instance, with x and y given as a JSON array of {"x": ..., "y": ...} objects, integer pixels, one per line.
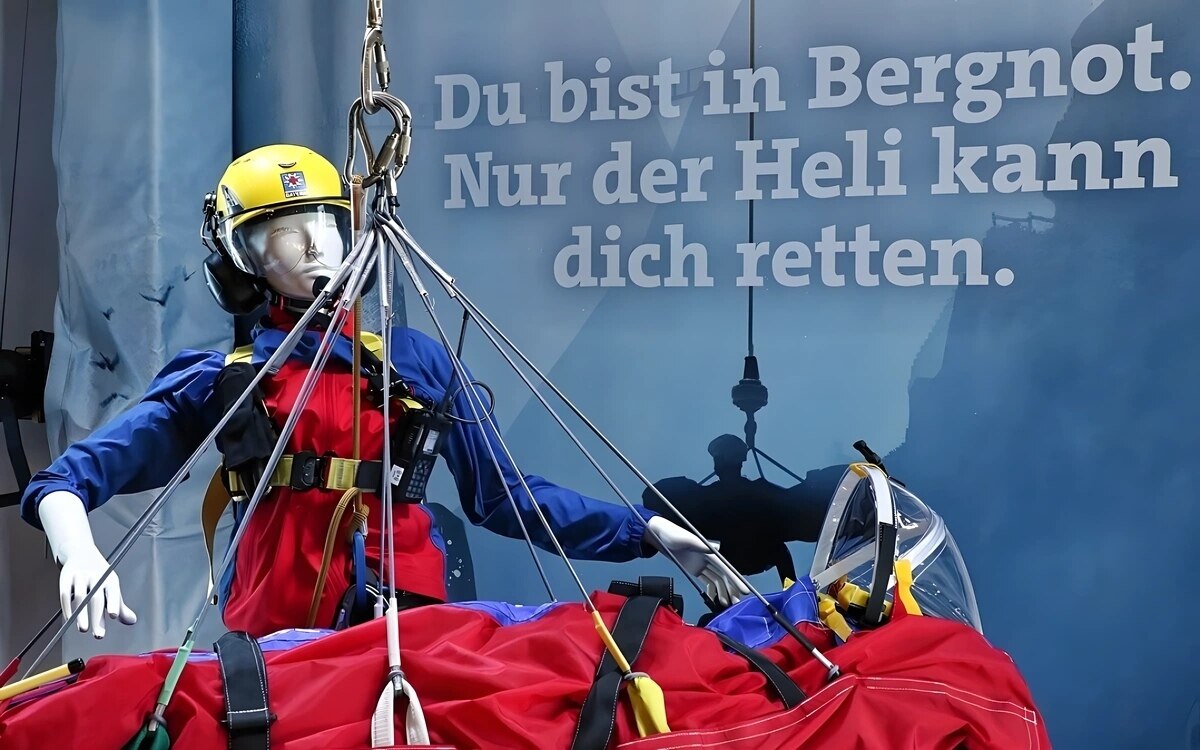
[
  {"x": 599, "y": 711},
  {"x": 787, "y": 688},
  {"x": 16, "y": 452},
  {"x": 248, "y": 438},
  {"x": 248, "y": 715},
  {"x": 661, "y": 586}
]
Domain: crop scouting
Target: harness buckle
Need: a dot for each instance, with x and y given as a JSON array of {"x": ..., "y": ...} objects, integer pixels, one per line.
[{"x": 308, "y": 470}]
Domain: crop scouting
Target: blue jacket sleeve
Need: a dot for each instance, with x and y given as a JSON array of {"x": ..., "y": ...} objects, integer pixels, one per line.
[
  {"x": 587, "y": 528},
  {"x": 141, "y": 448}
]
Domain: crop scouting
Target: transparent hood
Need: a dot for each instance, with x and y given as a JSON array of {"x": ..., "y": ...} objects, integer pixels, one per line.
[
  {"x": 856, "y": 536},
  {"x": 941, "y": 584}
]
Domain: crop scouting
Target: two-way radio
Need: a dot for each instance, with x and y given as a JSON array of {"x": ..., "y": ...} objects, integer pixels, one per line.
[
  {"x": 415, "y": 448},
  {"x": 415, "y": 451}
]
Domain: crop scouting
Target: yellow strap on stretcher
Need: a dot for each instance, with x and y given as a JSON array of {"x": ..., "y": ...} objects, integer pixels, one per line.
[
  {"x": 827, "y": 610},
  {"x": 904, "y": 582},
  {"x": 830, "y": 609}
]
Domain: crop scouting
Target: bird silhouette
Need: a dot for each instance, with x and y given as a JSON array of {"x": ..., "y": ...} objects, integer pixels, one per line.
[
  {"x": 161, "y": 301},
  {"x": 107, "y": 363},
  {"x": 112, "y": 397},
  {"x": 107, "y": 314}
]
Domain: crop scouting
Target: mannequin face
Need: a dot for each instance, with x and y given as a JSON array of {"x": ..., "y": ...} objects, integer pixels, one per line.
[{"x": 294, "y": 250}]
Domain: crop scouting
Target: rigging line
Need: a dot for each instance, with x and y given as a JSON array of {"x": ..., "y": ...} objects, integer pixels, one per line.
[
  {"x": 833, "y": 670},
  {"x": 386, "y": 520},
  {"x": 750, "y": 207},
  {"x": 12, "y": 195},
  {"x": 320, "y": 359},
  {"x": 460, "y": 372},
  {"x": 758, "y": 463},
  {"x": 472, "y": 398},
  {"x": 385, "y": 496},
  {"x": 574, "y": 439},
  {"x": 33, "y": 642},
  {"x": 392, "y": 631},
  {"x": 127, "y": 541},
  {"x": 645, "y": 694},
  {"x": 783, "y": 468}
]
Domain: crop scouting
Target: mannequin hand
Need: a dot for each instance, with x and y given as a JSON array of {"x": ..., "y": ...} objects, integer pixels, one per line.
[
  {"x": 65, "y": 521},
  {"x": 723, "y": 585},
  {"x": 80, "y": 571}
]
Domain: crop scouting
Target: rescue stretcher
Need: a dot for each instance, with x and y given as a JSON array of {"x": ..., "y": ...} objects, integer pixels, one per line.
[{"x": 496, "y": 675}]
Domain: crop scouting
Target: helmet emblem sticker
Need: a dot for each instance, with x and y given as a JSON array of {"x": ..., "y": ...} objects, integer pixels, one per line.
[{"x": 293, "y": 184}]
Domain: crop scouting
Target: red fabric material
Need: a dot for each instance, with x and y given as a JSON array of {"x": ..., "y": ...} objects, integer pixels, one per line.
[
  {"x": 9, "y": 671},
  {"x": 920, "y": 683},
  {"x": 278, "y": 563}
]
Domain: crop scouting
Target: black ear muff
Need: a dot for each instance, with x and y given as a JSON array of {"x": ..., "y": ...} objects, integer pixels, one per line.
[{"x": 236, "y": 291}]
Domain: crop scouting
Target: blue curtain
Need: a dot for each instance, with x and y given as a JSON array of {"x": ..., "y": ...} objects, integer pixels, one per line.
[
  {"x": 142, "y": 131},
  {"x": 155, "y": 99}
]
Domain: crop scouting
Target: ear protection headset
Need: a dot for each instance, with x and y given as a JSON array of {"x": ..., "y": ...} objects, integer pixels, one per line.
[{"x": 236, "y": 291}]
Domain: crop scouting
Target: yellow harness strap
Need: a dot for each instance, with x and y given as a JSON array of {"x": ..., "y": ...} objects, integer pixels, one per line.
[
  {"x": 850, "y": 596},
  {"x": 216, "y": 500},
  {"x": 342, "y": 474},
  {"x": 245, "y": 353}
]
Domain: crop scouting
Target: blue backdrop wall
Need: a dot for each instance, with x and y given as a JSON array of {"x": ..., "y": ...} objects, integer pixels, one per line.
[{"x": 1017, "y": 343}]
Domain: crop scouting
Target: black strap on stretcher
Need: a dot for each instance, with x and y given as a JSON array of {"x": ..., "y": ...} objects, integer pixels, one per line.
[
  {"x": 598, "y": 715},
  {"x": 788, "y": 690},
  {"x": 248, "y": 714}
]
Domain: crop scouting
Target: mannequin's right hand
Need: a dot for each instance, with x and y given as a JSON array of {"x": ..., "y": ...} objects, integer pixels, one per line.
[
  {"x": 64, "y": 517},
  {"x": 80, "y": 571}
]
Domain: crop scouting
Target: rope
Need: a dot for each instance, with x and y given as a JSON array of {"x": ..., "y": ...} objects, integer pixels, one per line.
[
  {"x": 360, "y": 507},
  {"x": 354, "y": 494},
  {"x": 327, "y": 556}
]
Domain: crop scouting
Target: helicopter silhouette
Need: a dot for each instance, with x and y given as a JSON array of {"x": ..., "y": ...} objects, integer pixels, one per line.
[{"x": 753, "y": 519}]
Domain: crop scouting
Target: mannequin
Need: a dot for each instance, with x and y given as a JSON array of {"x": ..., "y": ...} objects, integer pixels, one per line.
[{"x": 279, "y": 227}]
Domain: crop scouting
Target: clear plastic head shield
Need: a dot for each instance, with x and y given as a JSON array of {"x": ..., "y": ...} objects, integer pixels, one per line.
[{"x": 873, "y": 521}]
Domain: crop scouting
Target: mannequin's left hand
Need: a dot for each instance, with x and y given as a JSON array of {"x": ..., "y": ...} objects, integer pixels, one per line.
[{"x": 723, "y": 585}]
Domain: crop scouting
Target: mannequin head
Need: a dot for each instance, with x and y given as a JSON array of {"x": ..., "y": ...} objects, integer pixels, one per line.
[
  {"x": 276, "y": 224},
  {"x": 292, "y": 249}
]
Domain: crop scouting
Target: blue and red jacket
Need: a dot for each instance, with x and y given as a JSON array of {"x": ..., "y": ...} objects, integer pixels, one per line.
[{"x": 277, "y": 565}]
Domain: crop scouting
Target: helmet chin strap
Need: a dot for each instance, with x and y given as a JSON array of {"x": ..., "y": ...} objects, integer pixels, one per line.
[
  {"x": 296, "y": 305},
  {"x": 319, "y": 284},
  {"x": 293, "y": 306}
]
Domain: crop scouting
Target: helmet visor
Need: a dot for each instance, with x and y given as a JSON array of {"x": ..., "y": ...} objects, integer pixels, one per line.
[
  {"x": 291, "y": 247},
  {"x": 280, "y": 240}
]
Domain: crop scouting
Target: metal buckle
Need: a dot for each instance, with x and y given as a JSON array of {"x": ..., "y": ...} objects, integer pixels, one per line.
[{"x": 308, "y": 470}]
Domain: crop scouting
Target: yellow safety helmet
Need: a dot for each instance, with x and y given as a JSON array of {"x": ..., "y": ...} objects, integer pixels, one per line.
[{"x": 264, "y": 186}]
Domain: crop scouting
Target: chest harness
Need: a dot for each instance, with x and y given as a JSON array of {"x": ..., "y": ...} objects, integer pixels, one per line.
[{"x": 250, "y": 436}]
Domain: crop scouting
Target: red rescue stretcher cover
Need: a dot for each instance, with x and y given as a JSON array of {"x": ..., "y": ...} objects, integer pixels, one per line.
[{"x": 487, "y": 681}]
